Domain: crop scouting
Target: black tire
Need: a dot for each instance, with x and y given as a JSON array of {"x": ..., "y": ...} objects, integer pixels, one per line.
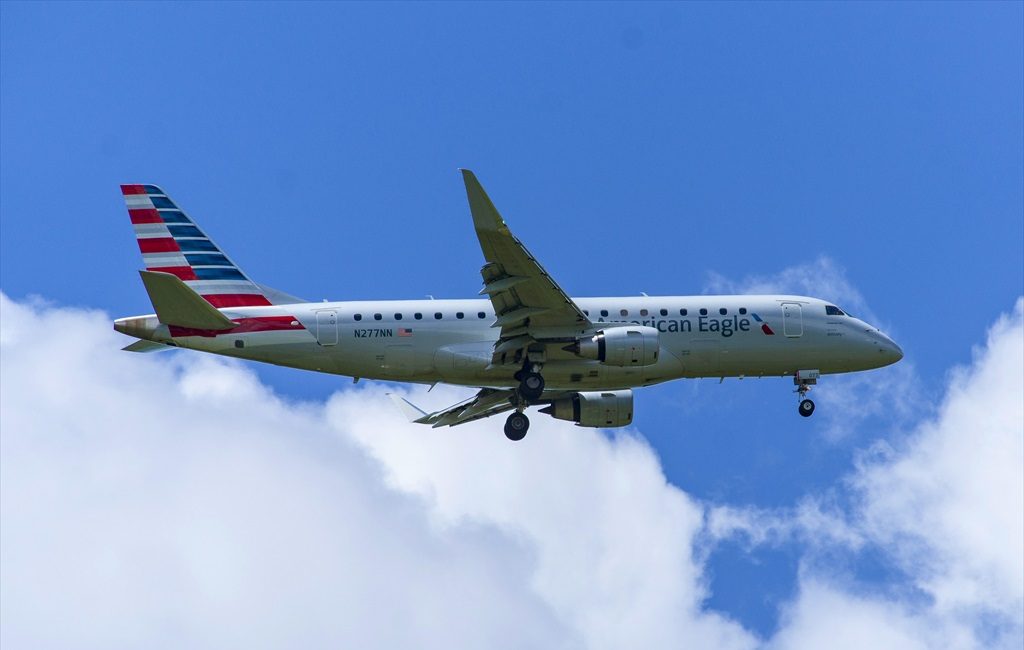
[
  {"x": 531, "y": 386},
  {"x": 806, "y": 408},
  {"x": 516, "y": 426}
]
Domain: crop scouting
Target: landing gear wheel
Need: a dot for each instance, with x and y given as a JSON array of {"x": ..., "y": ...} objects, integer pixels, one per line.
[
  {"x": 516, "y": 426},
  {"x": 806, "y": 408},
  {"x": 531, "y": 386}
]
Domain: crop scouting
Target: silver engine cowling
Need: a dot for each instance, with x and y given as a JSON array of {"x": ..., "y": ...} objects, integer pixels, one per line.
[
  {"x": 608, "y": 408},
  {"x": 628, "y": 345}
]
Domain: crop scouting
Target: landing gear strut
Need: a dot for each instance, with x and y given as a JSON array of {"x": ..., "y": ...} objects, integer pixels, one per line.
[
  {"x": 531, "y": 387},
  {"x": 516, "y": 426}
]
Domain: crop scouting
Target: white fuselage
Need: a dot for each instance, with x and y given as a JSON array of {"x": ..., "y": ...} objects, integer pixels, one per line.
[{"x": 700, "y": 336}]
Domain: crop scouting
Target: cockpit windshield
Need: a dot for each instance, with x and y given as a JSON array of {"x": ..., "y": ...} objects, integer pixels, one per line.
[{"x": 832, "y": 310}]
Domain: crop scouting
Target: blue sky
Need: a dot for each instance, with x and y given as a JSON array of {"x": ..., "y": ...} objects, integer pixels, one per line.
[{"x": 871, "y": 149}]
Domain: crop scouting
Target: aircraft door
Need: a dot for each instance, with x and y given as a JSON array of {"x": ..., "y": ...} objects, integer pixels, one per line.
[
  {"x": 792, "y": 319},
  {"x": 327, "y": 327}
]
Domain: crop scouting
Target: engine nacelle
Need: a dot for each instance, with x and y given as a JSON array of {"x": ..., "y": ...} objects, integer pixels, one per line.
[
  {"x": 628, "y": 345},
  {"x": 611, "y": 408}
]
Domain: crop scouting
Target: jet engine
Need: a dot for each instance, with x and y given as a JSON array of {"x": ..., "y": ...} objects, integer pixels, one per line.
[
  {"x": 629, "y": 345},
  {"x": 594, "y": 409}
]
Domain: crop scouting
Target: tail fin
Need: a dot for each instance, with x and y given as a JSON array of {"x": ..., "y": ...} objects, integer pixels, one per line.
[{"x": 172, "y": 243}]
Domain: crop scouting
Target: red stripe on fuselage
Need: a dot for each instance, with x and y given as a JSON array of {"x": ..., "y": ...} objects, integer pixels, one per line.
[
  {"x": 158, "y": 245},
  {"x": 245, "y": 326},
  {"x": 236, "y": 300},
  {"x": 145, "y": 215},
  {"x": 183, "y": 272},
  {"x": 133, "y": 189}
]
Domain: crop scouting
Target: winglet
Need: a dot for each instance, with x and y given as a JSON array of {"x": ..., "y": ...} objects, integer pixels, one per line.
[
  {"x": 412, "y": 412},
  {"x": 485, "y": 216},
  {"x": 176, "y": 304}
]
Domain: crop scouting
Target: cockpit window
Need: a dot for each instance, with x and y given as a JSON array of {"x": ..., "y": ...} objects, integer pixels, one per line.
[{"x": 832, "y": 310}]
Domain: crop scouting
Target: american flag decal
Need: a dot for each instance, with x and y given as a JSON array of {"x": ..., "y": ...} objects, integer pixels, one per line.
[{"x": 404, "y": 332}]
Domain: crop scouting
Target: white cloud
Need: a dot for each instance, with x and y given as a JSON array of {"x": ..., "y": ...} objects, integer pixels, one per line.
[
  {"x": 173, "y": 500},
  {"x": 823, "y": 617},
  {"x": 952, "y": 500},
  {"x": 946, "y": 507},
  {"x": 614, "y": 542}
]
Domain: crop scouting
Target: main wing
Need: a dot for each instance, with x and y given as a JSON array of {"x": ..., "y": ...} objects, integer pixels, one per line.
[{"x": 529, "y": 305}]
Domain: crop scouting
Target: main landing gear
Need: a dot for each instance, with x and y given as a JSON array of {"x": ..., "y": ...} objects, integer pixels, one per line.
[
  {"x": 516, "y": 426},
  {"x": 531, "y": 387},
  {"x": 804, "y": 379}
]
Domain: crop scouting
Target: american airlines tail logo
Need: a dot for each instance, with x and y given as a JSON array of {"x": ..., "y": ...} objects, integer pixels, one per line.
[{"x": 764, "y": 326}]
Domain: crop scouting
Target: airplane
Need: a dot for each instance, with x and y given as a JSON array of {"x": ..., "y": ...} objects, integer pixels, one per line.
[{"x": 525, "y": 343}]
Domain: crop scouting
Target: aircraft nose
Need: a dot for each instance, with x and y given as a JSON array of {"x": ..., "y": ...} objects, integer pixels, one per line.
[{"x": 888, "y": 349}]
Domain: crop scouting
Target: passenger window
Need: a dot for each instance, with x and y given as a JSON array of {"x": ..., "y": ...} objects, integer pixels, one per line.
[
  {"x": 358, "y": 317},
  {"x": 418, "y": 316},
  {"x": 743, "y": 310},
  {"x": 643, "y": 312},
  {"x": 377, "y": 317},
  {"x": 723, "y": 311},
  {"x": 437, "y": 315},
  {"x": 459, "y": 315},
  {"x": 604, "y": 312},
  {"x": 398, "y": 317},
  {"x": 664, "y": 312},
  {"x": 586, "y": 312},
  {"x": 480, "y": 314},
  {"x": 623, "y": 312},
  {"x": 682, "y": 312},
  {"x": 703, "y": 312}
]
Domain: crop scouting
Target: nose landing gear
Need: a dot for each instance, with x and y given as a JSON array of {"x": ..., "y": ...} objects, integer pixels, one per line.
[
  {"x": 806, "y": 408},
  {"x": 804, "y": 379}
]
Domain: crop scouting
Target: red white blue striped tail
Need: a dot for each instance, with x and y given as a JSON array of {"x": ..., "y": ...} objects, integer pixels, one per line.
[{"x": 172, "y": 243}]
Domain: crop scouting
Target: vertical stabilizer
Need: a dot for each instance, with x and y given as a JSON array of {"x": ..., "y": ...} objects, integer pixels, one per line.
[{"x": 172, "y": 243}]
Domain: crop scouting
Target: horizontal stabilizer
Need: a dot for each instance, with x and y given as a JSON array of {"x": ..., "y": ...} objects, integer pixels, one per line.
[
  {"x": 143, "y": 345},
  {"x": 176, "y": 304}
]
